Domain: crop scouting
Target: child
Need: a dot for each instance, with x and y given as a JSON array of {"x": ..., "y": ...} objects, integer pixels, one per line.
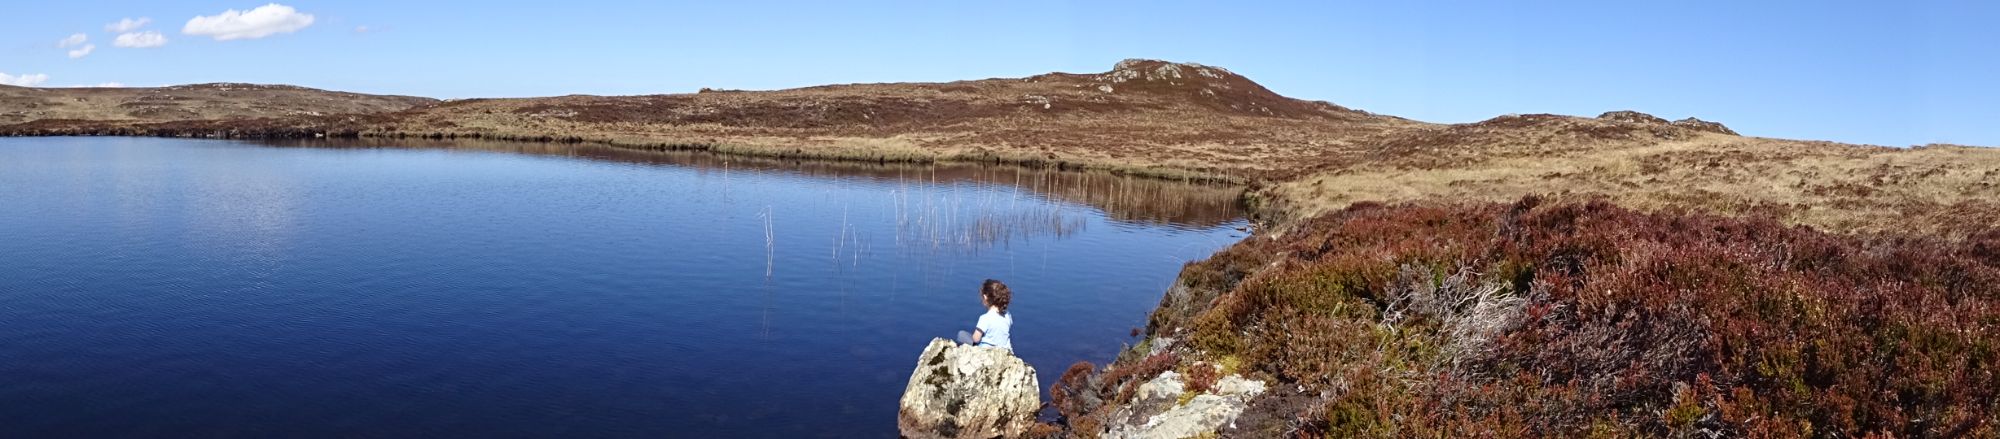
[{"x": 996, "y": 326}]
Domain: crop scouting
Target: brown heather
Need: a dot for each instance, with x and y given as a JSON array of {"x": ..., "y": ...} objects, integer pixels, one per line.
[{"x": 1581, "y": 318}]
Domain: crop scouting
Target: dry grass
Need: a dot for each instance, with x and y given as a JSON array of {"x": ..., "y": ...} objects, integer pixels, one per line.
[{"x": 1944, "y": 190}]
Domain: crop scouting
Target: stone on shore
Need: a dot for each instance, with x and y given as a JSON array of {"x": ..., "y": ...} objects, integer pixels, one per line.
[
  {"x": 969, "y": 392},
  {"x": 1169, "y": 411}
]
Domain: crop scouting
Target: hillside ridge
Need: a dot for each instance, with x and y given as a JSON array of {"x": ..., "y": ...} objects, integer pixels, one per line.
[{"x": 206, "y": 101}]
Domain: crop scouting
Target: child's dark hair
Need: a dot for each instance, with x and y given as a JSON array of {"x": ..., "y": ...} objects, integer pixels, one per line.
[{"x": 996, "y": 294}]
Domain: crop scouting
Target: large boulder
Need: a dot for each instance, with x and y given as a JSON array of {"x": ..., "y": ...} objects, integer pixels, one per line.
[{"x": 969, "y": 392}]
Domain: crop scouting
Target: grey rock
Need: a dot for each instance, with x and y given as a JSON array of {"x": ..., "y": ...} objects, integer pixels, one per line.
[
  {"x": 1158, "y": 403},
  {"x": 1703, "y": 125},
  {"x": 968, "y": 392},
  {"x": 1631, "y": 116}
]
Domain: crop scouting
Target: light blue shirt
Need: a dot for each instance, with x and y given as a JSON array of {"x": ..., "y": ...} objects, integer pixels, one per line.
[{"x": 995, "y": 328}]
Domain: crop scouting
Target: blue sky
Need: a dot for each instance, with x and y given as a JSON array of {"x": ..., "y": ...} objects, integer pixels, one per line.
[{"x": 1891, "y": 73}]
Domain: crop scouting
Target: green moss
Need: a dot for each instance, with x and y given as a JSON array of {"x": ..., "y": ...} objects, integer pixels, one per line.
[{"x": 1231, "y": 364}]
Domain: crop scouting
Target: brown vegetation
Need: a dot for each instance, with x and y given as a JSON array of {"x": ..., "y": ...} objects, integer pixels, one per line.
[
  {"x": 122, "y": 105},
  {"x": 1581, "y": 318},
  {"x": 1149, "y": 117}
]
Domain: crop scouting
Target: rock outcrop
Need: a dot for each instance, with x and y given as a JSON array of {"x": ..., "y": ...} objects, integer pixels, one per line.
[
  {"x": 969, "y": 392},
  {"x": 1170, "y": 410},
  {"x": 1703, "y": 125},
  {"x": 1688, "y": 123},
  {"x": 1155, "y": 70},
  {"x": 1209, "y": 86},
  {"x": 1631, "y": 116}
]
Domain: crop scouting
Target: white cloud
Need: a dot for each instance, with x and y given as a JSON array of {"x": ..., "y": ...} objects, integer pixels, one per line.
[
  {"x": 74, "y": 39},
  {"x": 140, "y": 39},
  {"x": 24, "y": 80},
  {"x": 127, "y": 25},
  {"x": 82, "y": 51},
  {"x": 362, "y": 29},
  {"x": 256, "y": 23},
  {"x": 109, "y": 84}
]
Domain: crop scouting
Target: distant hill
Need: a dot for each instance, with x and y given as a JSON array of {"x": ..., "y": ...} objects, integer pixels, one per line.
[
  {"x": 1141, "y": 113},
  {"x": 187, "y": 102},
  {"x": 1151, "y": 115}
]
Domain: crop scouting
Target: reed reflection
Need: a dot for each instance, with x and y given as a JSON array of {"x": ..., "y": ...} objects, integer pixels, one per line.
[{"x": 1121, "y": 198}]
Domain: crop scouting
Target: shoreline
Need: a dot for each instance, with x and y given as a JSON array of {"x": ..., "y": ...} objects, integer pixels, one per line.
[{"x": 854, "y": 150}]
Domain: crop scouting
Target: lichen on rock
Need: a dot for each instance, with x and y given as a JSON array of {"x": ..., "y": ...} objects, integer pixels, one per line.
[
  {"x": 1171, "y": 410},
  {"x": 968, "y": 392},
  {"x": 1156, "y": 70}
]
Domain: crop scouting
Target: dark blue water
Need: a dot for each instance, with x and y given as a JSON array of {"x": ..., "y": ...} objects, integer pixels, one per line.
[{"x": 166, "y": 287}]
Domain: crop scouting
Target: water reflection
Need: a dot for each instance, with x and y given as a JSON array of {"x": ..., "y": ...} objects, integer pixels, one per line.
[
  {"x": 934, "y": 217},
  {"x": 1121, "y": 198}
]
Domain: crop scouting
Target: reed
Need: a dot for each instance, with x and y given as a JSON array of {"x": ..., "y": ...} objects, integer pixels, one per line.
[{"x": 770, "y": 242}]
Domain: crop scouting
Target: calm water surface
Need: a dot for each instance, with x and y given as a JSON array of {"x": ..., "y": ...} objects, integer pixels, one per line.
[{"x": 168, "y": 287}]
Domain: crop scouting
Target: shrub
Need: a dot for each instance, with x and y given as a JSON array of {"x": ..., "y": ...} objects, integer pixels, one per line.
[
  {"x": 1073, "y": 394},
  {"x": 1201, "y": 377},
  {"x": 1588, "y": 319},
  {"x": 1123, "y": 382}
]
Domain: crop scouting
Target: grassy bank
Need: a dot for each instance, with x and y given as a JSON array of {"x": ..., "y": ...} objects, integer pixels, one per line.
[
  {"x": 846, "y": 149},
  {"x": 865, "y": 149}
]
